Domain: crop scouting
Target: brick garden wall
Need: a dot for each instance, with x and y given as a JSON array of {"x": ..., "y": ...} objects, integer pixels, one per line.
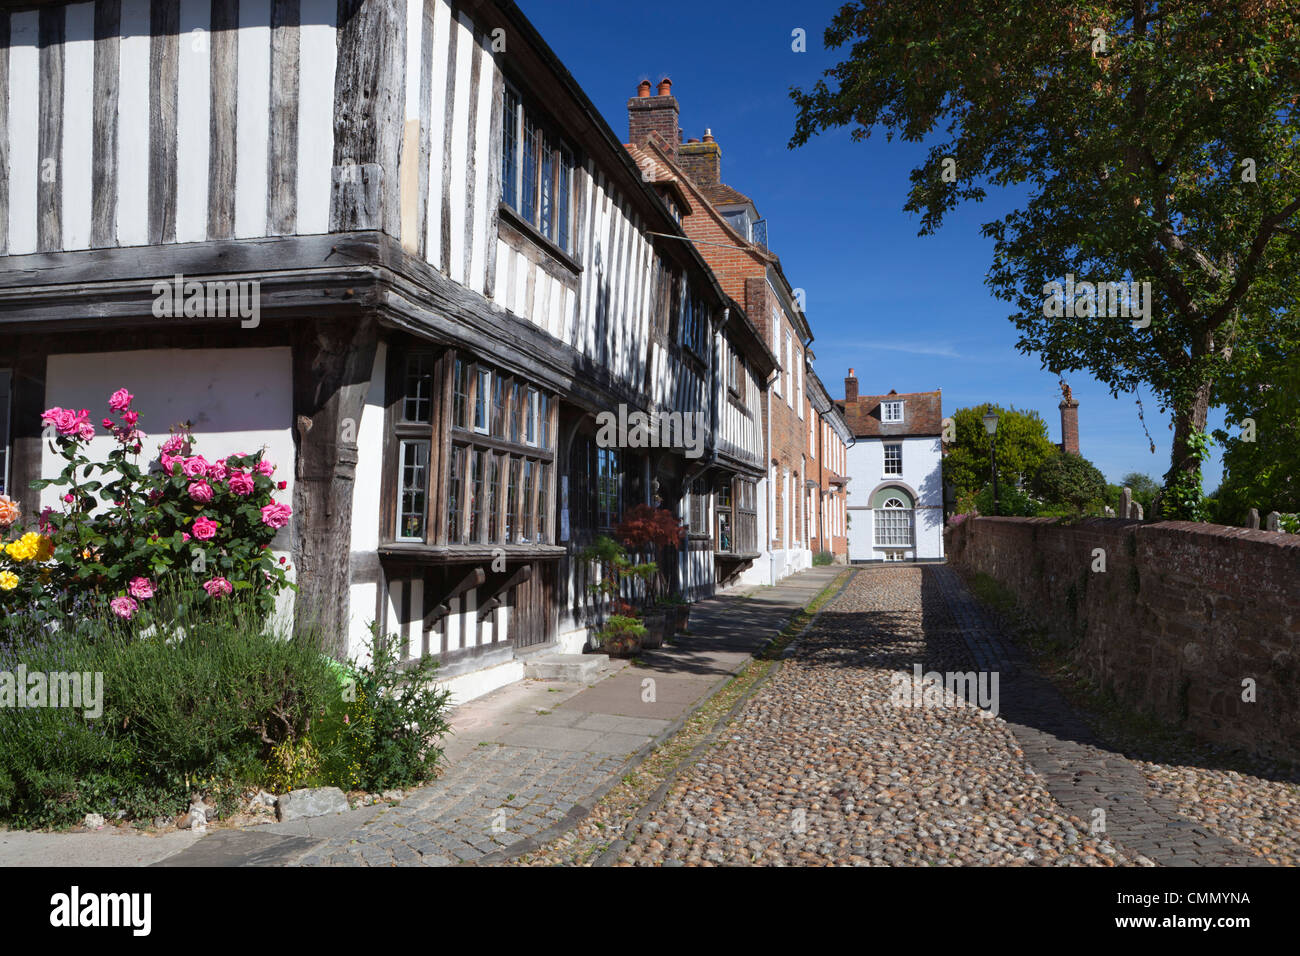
[{"x": 1181, "y": 615}]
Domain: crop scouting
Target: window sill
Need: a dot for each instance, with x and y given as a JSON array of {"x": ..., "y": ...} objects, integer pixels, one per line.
[
  {"x": 527, "y": 229},
  {"x": 417, "y": 553}
]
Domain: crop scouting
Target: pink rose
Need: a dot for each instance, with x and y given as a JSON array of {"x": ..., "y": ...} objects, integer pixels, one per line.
[
  {"x": 173, "y": 444},
  {"x": 201, "y": 492},
  {"x": 120, "y": 400},
  {"x": 241, "y": 483},
  {"x": 68, "y": 498},
  {"x": 86, "y": 431},
  {"x": 185, "y": 536},
  {"x": 282, "y": 485},
  {"x": 123, "y": 607},
  {"x": 108, "y": 423},
  {"x": 217, "y": 471},
  {"x": 196, "y": 467},
  {"x": 218, "y": 586},
  {"x": 141, "y": 588},
  {"x": 204, "y": 529},
  {"x": 264, "y": 467},
  {"x": 276, "y": 515},
  {"x": 131, "y": 418},
  {"x": 63, "y": 419}
]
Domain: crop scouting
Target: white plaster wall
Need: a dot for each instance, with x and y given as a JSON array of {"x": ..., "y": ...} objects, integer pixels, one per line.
[
  {"x": 239, "y": 400},
  {"x": 363, "y": 597},
  {"x": 922, "y": 459}
]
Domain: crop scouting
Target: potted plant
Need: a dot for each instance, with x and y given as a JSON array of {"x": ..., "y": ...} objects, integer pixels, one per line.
[
  {"x": 621, "y": 636},
  {"x": 679, "y": 613},
  {"x": 647, "y": 529}
]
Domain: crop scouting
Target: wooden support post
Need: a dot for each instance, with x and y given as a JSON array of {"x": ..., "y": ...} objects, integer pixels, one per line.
[{"x": 332, "y": 364}]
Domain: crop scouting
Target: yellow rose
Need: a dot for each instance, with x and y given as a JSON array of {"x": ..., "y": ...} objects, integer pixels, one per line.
[
  {"x": 31, "y": 546},
  {"x": 8, "y": 580}
]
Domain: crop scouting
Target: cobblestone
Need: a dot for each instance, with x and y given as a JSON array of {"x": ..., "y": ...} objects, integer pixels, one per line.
[
  {"x": 466, "y": 815},
  {"x": 825, "y": 766}
]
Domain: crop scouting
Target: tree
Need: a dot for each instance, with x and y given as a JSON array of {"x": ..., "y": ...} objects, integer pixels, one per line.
[
  {"x": 1022, "y": 446},
  {"x": 1070, "y": 480},
  {"x": 1261, "y": 445},
  {"x": 1158, "y": 144}
]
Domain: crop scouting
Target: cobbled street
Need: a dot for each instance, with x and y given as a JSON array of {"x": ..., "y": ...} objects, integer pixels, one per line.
[{"x": 822, "y": 766}]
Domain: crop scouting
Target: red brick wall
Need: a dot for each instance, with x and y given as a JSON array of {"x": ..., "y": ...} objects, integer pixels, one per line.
[{"x": 1183, "y": 613}]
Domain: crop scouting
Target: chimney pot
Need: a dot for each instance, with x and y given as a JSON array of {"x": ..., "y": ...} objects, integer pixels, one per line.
[
  {"x": 708, "y": 136},
  {"x": 643, "y": 90},
  {"x": 665, "y": 87},
  {"x": 692, "y": 140},
  {"x": 851, "y": 389}
]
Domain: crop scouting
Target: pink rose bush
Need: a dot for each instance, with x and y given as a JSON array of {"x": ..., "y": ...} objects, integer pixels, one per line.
[{"x": 126, "y": 526}]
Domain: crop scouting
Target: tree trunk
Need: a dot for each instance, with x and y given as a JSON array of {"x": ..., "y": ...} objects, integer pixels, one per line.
[{"x": 1187, "y": 419}]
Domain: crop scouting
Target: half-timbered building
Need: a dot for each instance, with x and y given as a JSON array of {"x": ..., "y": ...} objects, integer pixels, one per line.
[{"x": 393, "y": 243}]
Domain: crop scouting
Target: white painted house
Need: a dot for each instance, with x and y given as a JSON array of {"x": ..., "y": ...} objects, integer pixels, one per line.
[{"x": 895, "y": 504}]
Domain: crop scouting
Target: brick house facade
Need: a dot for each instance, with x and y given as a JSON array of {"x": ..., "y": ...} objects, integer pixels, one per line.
[{"x": 724, "y": 225}]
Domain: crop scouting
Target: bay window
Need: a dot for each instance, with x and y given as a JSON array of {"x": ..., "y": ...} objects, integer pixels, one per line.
[{"x": 495, "y": 470}]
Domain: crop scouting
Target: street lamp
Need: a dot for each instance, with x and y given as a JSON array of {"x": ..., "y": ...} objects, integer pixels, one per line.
[{"x": 991, "y": 426}]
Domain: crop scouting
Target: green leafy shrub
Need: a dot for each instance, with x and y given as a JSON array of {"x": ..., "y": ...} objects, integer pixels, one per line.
[
  {"x": 823, "y": 558},
  {"x": 387, "y": 721},
  {"x": 206, "y": 706},
  {"x": 1068, "y": 480}
]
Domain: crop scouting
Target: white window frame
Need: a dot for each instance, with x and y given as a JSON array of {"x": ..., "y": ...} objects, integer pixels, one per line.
[
  {"x": 891, "y": 412},
  {"x": 891, "y": 519},
  {"x": 482, "y": 399},
  {"x": 532, "y": 423},
  {"x": 402, "y": 446},
  {"x": 6, "y": 410},
  {"x": 789, "y": 368},
  {"x": 885, "y": 460}
]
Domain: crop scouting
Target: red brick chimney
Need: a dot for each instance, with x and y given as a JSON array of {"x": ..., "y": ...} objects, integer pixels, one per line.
[
  {"x": 1069, "y": 425},
  {"x": 850, "y": 388},
  {"x": 657, "y": 115},
  {"x": 702, "y": 161}
]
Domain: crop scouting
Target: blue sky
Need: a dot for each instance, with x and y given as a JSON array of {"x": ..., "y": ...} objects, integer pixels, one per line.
[{"x": 907, "y": 312}]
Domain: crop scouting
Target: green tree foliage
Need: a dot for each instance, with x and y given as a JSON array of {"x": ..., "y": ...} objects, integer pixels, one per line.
[
  {"x": 1261, "y": 446},
  {"x": 1022, "y": 446},
  {"x": 1070, "y": 480},
  {"x": 1155, "y": 142}
]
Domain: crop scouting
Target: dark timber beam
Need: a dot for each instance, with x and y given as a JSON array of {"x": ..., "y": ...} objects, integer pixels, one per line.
[
  {"x": 498, "y": 596},
  {"x": 473, "y": 579},
  {"x": 332, "y": 363}
]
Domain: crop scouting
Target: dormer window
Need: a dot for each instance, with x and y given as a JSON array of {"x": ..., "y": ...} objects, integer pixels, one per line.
[{"x": 891, "y": 413}]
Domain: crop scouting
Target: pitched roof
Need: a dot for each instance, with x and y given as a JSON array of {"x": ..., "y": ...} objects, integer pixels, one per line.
[
  {"x": 720, "y": 194},
  {"x": 922, "y": 415}
]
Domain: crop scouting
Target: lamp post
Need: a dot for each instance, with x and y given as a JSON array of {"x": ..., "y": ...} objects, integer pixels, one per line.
[{"x": 991, "y": 426}]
